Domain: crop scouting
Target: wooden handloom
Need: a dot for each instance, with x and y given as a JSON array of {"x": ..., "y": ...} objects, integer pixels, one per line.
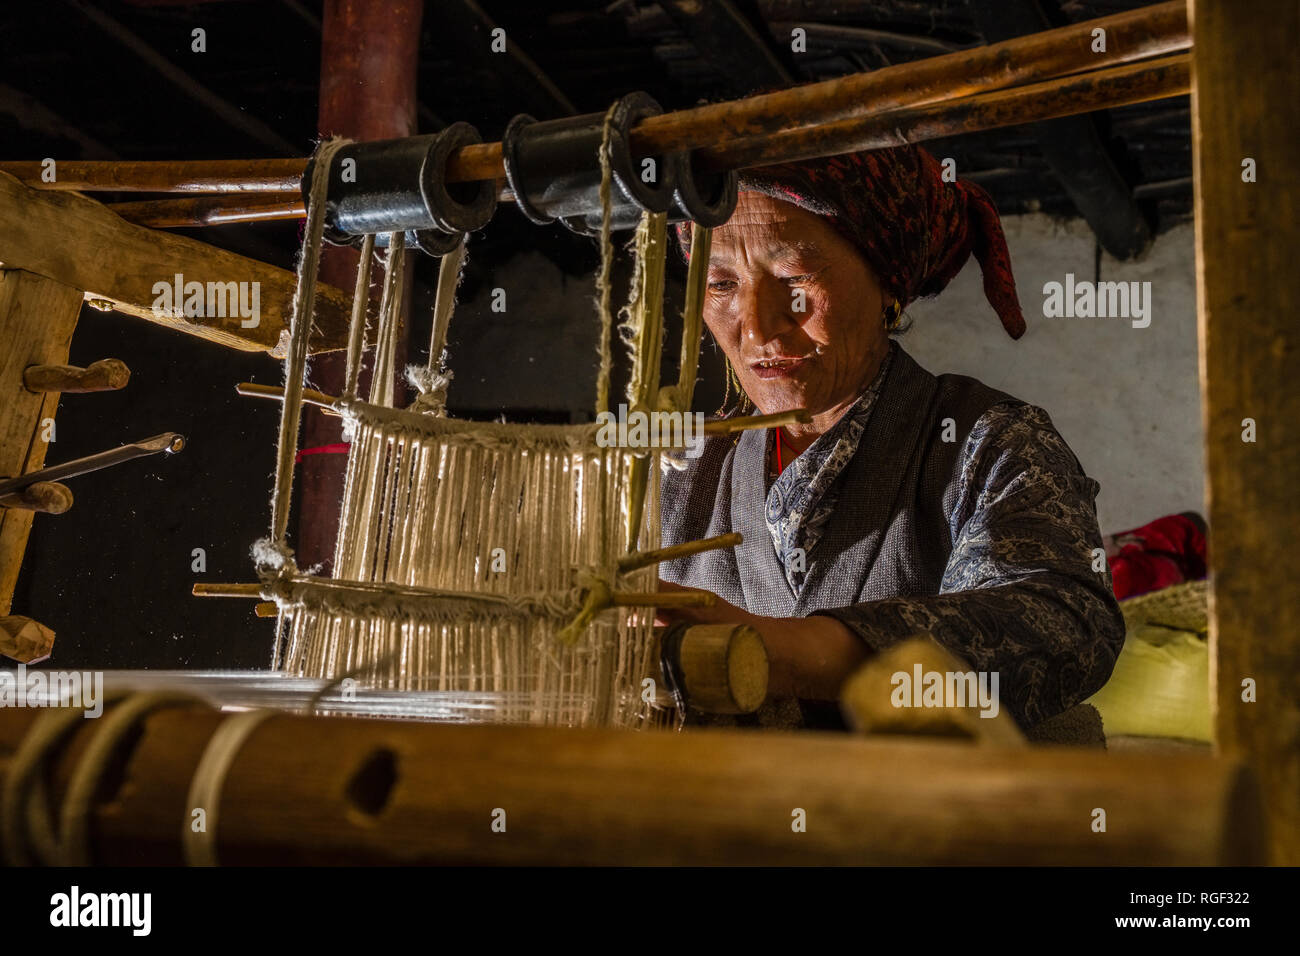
[{"x": 290, "y": 792}]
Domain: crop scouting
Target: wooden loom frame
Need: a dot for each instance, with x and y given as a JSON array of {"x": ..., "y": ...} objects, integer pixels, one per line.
[{"x": 59, "y": 248}]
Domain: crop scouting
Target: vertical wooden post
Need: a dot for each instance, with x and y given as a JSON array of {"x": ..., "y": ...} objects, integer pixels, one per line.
[
  {"x": 369, "y": 54},
  {"x": 37, "y": 318},
  {"x": 1246, "y": 114}
]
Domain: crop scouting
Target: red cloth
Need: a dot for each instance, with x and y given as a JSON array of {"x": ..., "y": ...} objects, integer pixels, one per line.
[{"x": 1167, "y": 551}]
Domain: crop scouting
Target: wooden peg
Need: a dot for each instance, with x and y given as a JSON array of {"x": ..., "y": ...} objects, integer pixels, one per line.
[
  {"x": 871, "y": 698},
  {"x": 106, "y": 375},
  {"x": 47, "y": 497},
  {"x": 25, "y": 640}
]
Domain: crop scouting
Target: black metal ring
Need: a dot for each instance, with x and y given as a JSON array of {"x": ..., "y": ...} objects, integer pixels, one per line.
[
  {"x": 514, "y": 177},
  {"x": 473, "y": 207},
  {"x": 708, "y": 199},
  {"x": 632, "y": 109}
]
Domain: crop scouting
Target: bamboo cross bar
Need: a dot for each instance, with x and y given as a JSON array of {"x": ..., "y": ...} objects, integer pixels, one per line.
[{"x": 1132, "y": 36}]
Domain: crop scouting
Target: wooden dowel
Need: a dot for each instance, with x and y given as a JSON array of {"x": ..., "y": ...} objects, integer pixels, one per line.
[
  {"x": 211, "y": 210},
  {"x": 310, "y": 791},
  {"x": 103, "y": 376},
  {"x": 224, "y": 589},
  {"x": 267, "y": 609},
  {"x": 642, "y": 559},
  {"x": 1131, "y": 36},
  {"x": 44, "y": 497},
  {"x": 726, "y": 426},
  {"x": 662, "y": 599},
  {"x": 167, "y": 176},
  {"x": 24, "y": 640},
  {"x": 309, "y": 395}
]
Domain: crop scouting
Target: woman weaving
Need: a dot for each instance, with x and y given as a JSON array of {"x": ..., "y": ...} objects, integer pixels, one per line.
[{"x": 909, "y": 503}]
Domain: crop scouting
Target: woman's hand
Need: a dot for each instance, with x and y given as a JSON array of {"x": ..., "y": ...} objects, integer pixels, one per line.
[
  {"x": 720, "y": 613},
  {"x": 808, "y": 657}
]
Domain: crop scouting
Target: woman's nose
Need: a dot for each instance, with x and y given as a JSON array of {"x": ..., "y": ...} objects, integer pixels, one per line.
[{"x": 766, "y": 310}]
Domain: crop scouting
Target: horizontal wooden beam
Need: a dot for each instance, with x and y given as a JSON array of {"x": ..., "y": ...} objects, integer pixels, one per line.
[
  {"x": 1132, "y": 36},
  {"x": 313, "y": 791},
  {"x": 78, "y": 242}
]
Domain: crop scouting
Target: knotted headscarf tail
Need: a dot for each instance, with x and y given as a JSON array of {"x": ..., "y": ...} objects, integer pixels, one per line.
[{"x": 915, "y": 230}]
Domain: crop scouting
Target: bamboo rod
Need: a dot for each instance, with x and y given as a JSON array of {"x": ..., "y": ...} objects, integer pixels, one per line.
[
  {"x": 617, "y": 598},
  {"x": 662, "y": 599},
  {"x": 224, "y": 589},
  {"x": 728, "y": 426},
  {"x": 211, "y": 210},
  {"x": 642, "y": 559},
  {"x": 309, "y": 395},
  {"x": 1131, "y": 36},
  {"x": 340, "y": 790}
]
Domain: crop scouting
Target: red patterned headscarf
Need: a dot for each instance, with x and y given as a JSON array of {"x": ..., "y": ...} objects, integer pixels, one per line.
[{"x": 915, "y": 230}]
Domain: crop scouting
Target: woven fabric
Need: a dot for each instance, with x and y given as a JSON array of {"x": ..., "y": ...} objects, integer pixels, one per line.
[{"x": 985, "y": 542}]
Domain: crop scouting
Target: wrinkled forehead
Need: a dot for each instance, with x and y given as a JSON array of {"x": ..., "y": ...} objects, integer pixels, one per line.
[{"x": 769, "y": 227}]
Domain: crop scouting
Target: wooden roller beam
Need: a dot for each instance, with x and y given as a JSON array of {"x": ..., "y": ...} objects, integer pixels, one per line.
[
  {"x": 327, "y": 790},
  {"x": 725, "y": 668}
]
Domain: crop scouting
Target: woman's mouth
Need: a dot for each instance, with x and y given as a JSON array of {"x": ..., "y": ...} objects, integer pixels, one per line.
[{"x": 777, "y": 367}]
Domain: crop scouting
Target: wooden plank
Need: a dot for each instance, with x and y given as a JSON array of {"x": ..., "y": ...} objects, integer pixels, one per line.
[
  {"x": 78, "y": 242},
  {"x": 37, "y": 318},
  {"x": 1248, "y": 288}
]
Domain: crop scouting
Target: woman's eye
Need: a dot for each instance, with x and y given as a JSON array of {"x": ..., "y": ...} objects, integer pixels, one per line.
[
  {"x": 722, "y": 285},
  {"x": 798, "y": 280}
]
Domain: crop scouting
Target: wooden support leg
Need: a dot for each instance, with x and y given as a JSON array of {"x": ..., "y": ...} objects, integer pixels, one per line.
[
  {"x": 37, "y": 318},
  {"x": 1245, "y": 116}
]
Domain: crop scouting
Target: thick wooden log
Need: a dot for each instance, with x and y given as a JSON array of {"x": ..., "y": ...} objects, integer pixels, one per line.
[
  {"x": 37, "y": 318},
  {"x": 320, "y": 790},
  {"x": 1245, "y": 115},
  {"x": 106, "y": 375},
  {"x": 24, "y": 640},
  {"x": 77, "y": 242}
]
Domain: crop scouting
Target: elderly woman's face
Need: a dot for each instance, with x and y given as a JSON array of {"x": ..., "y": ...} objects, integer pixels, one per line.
[{"x": 768, "y": 260}]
